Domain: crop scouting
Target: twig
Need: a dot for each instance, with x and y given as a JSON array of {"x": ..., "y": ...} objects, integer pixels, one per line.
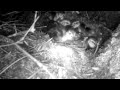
[
  {"x": 31, "y": 29},
  {"x": 14, "y": 12},
  {"x": 11, "y": 65},
  {"x": 87, "y": 14},
  {"x": 36, "y": 61}
]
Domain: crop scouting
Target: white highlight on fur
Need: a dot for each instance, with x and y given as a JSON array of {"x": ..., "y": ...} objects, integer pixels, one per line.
[
  {"x": 63, "y": 54},
  {"x": 68, "y": 36}
]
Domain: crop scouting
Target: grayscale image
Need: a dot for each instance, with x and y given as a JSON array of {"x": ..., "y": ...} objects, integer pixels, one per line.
[{"x": 59, "y": 44}]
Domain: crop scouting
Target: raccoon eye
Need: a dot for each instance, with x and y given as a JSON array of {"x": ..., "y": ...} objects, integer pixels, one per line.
[
  {"x": 76, "y": 24},
  {"x": 91, "y": 43},
  {"x": 65, "y": 22}
]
